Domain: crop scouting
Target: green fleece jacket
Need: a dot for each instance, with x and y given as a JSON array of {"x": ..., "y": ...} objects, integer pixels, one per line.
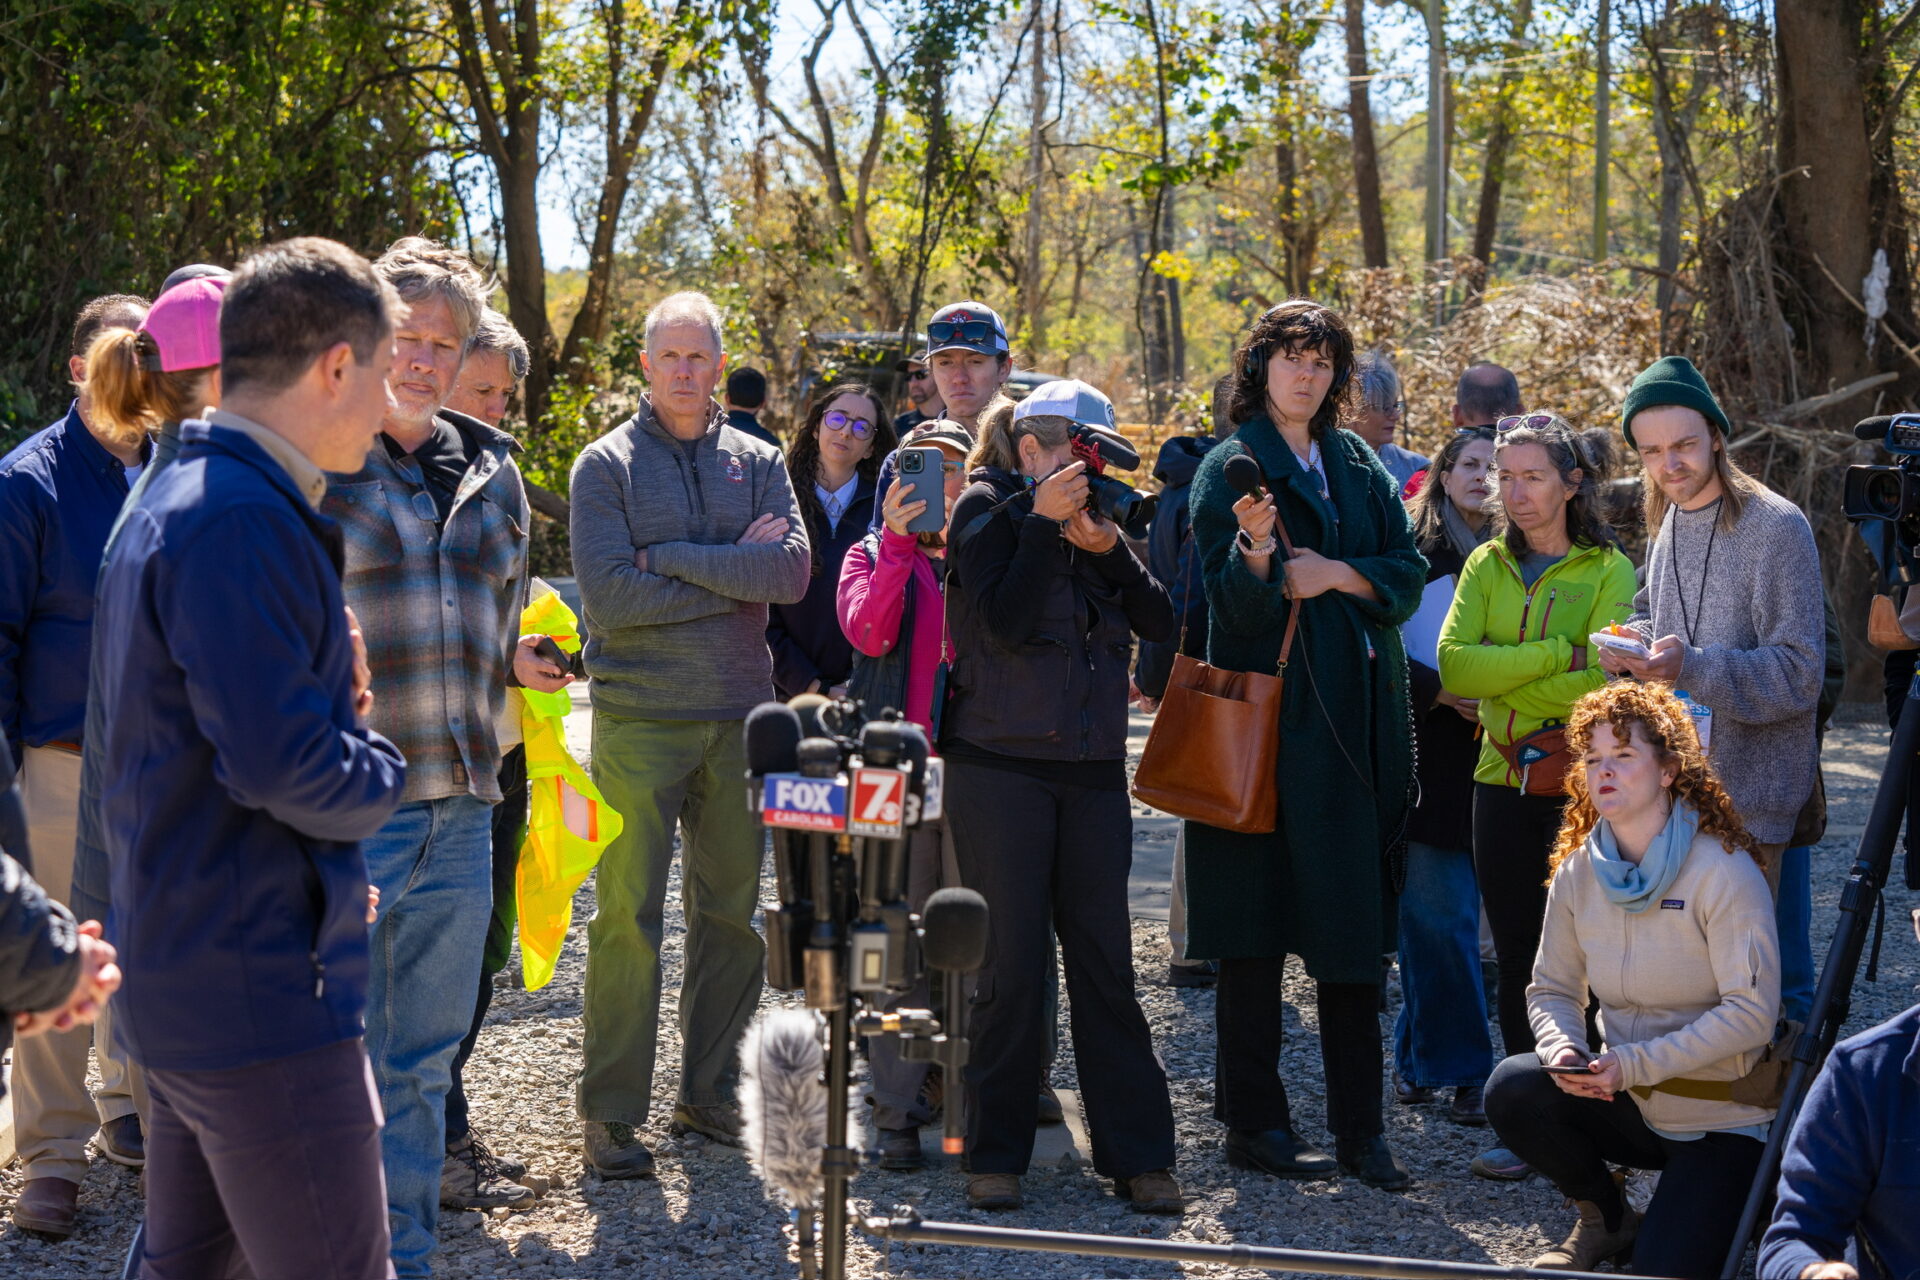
[{"x": 1512, "y": 647}]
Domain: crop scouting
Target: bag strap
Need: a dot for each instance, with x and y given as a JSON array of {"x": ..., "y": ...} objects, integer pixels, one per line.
[
  {"x": 1293, "y": 612},
  {"x": 1698, "y": 1090}
]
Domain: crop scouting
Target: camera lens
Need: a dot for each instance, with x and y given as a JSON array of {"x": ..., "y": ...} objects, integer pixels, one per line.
[{"x": 1883, "y": 493}]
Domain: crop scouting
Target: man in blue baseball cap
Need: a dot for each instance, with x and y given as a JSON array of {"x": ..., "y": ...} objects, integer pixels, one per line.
[{"x": 968, "y": 352}]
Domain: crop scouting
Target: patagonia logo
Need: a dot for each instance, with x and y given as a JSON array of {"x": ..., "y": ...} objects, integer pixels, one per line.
[
  {"x": 1673, "y": 904},
  {"x": 736, "y": 470}
]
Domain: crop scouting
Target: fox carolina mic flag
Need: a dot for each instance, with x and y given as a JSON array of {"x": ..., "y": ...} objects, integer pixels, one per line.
[{"x": 568, "y": 824}]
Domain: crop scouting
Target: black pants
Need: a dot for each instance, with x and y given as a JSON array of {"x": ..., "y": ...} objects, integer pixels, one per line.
[
  {"x": 270, "y": 1171},
  {"x": 509, "y": 832},
  {"x": 1052, "y": 859},
  {"x": 1512, "y": 837},
  {"x": 1703, "y": 1188},
  {"x": 1248, "y": 1093}
]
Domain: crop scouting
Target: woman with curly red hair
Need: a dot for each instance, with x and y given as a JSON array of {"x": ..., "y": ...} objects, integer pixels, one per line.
[{"x": 1657, "y": 905}]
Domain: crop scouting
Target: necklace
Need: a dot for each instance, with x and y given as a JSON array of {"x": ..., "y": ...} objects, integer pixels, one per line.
[{"x": 1706, "y": 564}]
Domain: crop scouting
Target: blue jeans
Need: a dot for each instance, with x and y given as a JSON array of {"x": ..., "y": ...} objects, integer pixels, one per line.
[
  {"x": 433, "y": 865},
  {"x": 1441, "y": 1038},
  {"x": 1793, "y": 913}
]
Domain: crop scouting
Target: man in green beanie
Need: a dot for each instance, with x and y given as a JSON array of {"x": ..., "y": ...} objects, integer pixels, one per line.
[{"x": 1734, "y": 615}]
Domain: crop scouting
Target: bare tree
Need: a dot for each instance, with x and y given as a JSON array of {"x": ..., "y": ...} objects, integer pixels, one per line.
[{"x": 1366, "y": 156}]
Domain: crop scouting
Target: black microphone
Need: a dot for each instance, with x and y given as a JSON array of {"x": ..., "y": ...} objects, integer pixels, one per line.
[
  {"x": 809, "y": 706},
  {"x": 772, "y": 739},
  {"x": 1873, "y": 428},
  {"x": 954, "y": 940},
  {"x": 1244, "y": 476}
]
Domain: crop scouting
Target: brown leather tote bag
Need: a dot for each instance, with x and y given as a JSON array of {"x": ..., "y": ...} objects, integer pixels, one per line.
[{"x": 1213, "y": 751}]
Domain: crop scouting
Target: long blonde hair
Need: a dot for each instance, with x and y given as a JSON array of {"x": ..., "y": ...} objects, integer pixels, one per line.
[
  {"x": 125, "y": 399},
  {"x": 999, "y": 442},
  {"x": 1669, "y": 731}
]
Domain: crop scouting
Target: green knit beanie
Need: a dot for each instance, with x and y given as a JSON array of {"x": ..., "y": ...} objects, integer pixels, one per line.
[{"x": 1671, "y": 380}]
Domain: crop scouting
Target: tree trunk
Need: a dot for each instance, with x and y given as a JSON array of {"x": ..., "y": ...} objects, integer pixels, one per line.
[
  {"x": 1032, "y": 305},
  {"x": 1436, "y": 132},
  {"x": 1286, "y": 197},
  {"x": 1602, "y": 130},
  {"x": 1486, "y": 222},
  {"x": 1366, "y": 155}
]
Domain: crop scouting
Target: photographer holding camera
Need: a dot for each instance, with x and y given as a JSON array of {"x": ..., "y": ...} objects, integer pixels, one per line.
[{"x": 1042, "y": 600}]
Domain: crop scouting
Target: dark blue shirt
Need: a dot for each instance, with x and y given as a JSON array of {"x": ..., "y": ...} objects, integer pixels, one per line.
[
  {"x": 1852, "y": 1164},
  {"x": 237, "y": 783},
  {"x": 60, "y": 493},
  {"x": 744, "y": 420}
]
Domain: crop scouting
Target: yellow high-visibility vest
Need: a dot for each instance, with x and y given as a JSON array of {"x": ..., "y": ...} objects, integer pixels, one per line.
[{"x": 568, "y": 824}]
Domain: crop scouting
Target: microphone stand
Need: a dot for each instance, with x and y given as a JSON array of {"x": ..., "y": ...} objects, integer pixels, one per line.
[{"x": 1860, "y": 901}]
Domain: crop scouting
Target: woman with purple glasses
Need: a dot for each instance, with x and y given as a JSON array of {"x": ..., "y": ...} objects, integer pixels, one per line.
[{"x": 833, "y": 461}]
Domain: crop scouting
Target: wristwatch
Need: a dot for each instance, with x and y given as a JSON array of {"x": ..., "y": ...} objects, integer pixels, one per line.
[{"x": 1250, "y": 548}]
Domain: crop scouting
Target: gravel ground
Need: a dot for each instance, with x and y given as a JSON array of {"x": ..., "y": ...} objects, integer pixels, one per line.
[{"x": 705, "y": 1216}]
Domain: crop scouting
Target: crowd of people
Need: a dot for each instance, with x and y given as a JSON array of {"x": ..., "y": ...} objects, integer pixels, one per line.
[{"x": 262, "y": 658}]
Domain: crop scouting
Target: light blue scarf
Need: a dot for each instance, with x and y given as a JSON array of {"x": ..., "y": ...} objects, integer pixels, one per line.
[{"x": 1635, "y": 888}]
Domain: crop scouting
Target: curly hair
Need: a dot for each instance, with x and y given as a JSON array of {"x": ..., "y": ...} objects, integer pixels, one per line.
[
  {"x": 803, "y": 454},
  {"x": 1293, "y": 326},
  {"x": 1669, "y": 729}
]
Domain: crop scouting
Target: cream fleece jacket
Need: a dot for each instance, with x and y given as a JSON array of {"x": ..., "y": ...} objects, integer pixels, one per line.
[{"x": 1688, "y": 989}]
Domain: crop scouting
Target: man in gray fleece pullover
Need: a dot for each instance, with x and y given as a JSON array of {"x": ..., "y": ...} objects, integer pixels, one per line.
[
  {"x": 1732, "y": 605},
  {"x": 684, "y": 529}
]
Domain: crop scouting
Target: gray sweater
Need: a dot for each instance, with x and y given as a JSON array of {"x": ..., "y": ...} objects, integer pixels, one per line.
[
  {"x": 687, "y": 640},
  {"x": 1756, "y": 646}
]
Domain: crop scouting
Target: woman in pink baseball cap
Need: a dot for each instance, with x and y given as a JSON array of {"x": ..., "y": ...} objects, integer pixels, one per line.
[{"x": 149, "y": 379}]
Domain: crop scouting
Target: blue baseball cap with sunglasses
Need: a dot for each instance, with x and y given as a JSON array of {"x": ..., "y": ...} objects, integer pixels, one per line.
[{"x": 966, "y": 326}]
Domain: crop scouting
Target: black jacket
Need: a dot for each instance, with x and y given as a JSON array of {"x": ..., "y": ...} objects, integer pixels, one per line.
[
  {"x": 805, "y": 636},
  {"x": 1042, "y": 631},
  {"x": 39, "y": 946},
  {"x": 1171, "y": 560},
  {"x": 1447, "y": 745}
]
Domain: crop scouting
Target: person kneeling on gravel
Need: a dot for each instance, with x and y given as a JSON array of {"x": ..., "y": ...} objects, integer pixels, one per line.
[{"x": 1658, "y": 904}]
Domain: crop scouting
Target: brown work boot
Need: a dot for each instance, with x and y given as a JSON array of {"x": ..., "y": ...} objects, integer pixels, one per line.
[
  {"x": 469, "y": 1179},
  {"x": 1153, "y": 1192},
  {"x": 1591, "y": 1243},
  {"x": 994, "y": 1191},
  {"x": 721, "y": 1122},
  {"x": 47, "y": 1206}
]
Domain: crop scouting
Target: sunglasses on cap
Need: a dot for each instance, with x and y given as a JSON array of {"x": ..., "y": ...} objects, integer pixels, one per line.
[
  {"x": 837, "y": 420},
  {"x": 1529, "y": 421},
  {"x": 974, "y": 332}
]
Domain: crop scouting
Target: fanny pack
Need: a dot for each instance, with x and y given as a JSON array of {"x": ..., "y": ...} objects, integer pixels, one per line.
[
  {"x": 1763, "y": 1085},
  {"x": 1541, "y": 758}
]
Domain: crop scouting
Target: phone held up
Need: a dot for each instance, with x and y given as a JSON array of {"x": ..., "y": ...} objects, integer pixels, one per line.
[{"x": 923, "y": 479}]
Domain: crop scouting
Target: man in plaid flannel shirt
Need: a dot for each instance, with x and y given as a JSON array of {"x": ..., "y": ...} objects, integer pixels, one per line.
[{"x": 435, "y": 527}]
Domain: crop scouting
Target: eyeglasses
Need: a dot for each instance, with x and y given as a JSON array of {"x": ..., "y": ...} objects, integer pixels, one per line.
[
  {"x": 949, "y": 468},
  {"x": 835, "y": 420},
  {"x": 974, "y": 332},
  {"x": 1528, "y": 421}
]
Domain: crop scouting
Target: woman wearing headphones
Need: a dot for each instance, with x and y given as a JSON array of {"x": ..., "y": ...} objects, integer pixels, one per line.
[{"x": 1321, "y": 885}]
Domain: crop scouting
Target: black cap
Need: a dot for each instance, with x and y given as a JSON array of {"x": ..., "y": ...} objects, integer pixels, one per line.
[{"x": 194, "y": 271}]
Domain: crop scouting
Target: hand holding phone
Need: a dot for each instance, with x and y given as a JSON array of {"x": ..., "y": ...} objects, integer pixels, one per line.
[{"x": 923, "y": 479}]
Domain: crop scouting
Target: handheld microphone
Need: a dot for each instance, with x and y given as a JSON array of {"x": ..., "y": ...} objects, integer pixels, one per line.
[
  {"x": 1243, "y": 475},
  {"x": 954, "y": 941},
  {"x": 783, "y": 1104},
  {"x": 810, "y": 707},
  {"x": 772, "y": 739},
  {"x": 1873, "y": 428}
]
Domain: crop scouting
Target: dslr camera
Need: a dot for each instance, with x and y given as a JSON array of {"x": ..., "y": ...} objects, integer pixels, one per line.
[
  {"x": 1883, "y": 493},
  {"x": 1126, "y": 506}
]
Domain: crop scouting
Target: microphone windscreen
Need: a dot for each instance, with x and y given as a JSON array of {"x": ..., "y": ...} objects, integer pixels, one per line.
[
  {"x": 954, "y": 928},
  {"x": 783, "y": 1103},
  {"x": 1244, "y": 474},
  {"x": 1873, "y": 428},
  {"x": 808, "y": 706},
  {"x": 772, "y": 738}
]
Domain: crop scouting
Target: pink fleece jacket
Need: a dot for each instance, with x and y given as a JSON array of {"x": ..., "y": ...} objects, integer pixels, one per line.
[{"x": 873, "y": 596}]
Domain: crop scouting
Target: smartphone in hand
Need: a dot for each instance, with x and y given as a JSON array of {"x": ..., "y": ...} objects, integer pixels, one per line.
[{"x": 922, "y": 478}]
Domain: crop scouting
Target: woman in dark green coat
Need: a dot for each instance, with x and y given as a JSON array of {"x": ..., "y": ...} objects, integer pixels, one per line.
[{"x": 1321, "y": 886}]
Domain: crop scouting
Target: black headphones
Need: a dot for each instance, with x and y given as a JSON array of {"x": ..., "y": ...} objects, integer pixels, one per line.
[{"x": 1257, "y": 358}]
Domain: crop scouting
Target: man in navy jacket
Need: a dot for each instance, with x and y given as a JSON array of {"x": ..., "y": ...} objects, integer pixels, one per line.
[
  {"x": 240, "y": 778},
  {"x": 1851, "y": 1170}
]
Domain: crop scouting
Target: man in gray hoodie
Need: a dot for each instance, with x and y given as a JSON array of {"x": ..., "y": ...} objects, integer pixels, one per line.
[{"x": 684, "y": 529}]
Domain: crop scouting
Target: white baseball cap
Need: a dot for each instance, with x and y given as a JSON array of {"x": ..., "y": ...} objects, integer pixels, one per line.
[{"x": 1067, "y": 398}]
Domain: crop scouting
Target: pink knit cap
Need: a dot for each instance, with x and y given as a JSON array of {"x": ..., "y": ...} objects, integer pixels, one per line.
[{"x": 184, "y": 325}]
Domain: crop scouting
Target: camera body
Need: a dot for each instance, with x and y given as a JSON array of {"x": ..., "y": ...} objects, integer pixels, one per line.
[
  {"x": 1126, "y": 506},
  {"x": 1888, "y": 493}
]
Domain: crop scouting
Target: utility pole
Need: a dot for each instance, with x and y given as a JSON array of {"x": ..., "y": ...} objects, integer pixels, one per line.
[
  {"x": 1436, "y": 132},
  {"x": 1602, "y": 130}
]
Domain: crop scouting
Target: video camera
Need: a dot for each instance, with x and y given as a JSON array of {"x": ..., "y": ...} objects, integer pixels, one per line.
[
  {"x": 1118, "y": 501},
  {"x": 1890, "y": 494}
]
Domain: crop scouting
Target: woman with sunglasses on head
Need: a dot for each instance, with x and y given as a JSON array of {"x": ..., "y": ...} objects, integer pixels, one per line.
[
  {"x": 1044, "y": 598},
  {"x": 833, "y": 461},
  {"x": 1320, "y": 885},
  {"x": 1516, "y": 639},
  {"x": 1441, "y": 1038}
]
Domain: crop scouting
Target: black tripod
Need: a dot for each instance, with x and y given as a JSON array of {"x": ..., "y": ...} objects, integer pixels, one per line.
[{"x": 1860, "y": 903}]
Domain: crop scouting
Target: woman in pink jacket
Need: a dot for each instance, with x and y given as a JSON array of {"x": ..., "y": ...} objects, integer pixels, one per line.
[{"x": 892, "y": 609}]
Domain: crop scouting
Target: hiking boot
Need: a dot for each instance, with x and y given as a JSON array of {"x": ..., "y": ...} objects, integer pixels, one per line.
[
  {"x": 720, "y": 1122},
  {"x": 1199, "y": 975},
  {"x": 1469, "y": 1105},
  {"x": 1154, "y": 1192},
  {"x": 900, "y": 1149},
  {"x": 48, "y": 1207},
  {"x": 1412, "y": 1095},
  {"x": 614, "y": 1151},
  {"x": 1279, "y": 1152},
  {"x": 469, "y": 1179},
  {"x": 121, "y": 1141},
  {"x": 512, "y": 1168},
  {"x": 1373, "y": 1162},
  {"x": 994, "y": 1192},
  {"x": 1050, "y": 1110},
  {"x": 1591, "y": 1243}
]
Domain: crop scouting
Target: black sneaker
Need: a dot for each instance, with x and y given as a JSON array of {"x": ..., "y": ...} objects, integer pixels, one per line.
[
  {"x": 613, "y": 1150},
  {"x": 122, "y": 1141}
]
